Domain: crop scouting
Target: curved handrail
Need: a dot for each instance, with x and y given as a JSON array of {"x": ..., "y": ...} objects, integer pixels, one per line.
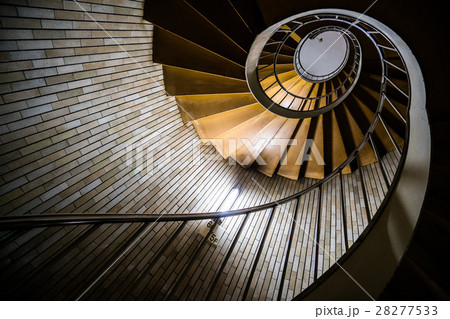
[
  {"x": 401, "y": 206},
  {"x": 251, "y": 69},
  {"x": 313, "y": 34}
]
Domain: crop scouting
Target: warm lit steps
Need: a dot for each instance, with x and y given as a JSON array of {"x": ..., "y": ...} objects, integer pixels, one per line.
[{"x": 206, "y": 75}]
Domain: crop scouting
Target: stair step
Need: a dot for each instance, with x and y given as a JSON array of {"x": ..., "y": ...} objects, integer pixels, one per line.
[
  {"x": 268, "y": 58},
  {"x": 273, "y": 153},
  {"x": 194, "y": 107},
  {"x": 334, "y": 149},
  {"x": 176, "y": 15},
  {"x": 352, "y": 135},
  {"x": 284, "y": 49},
  {"x": 194, "y": 57},
  {"x": 300, "y": 88},
  {"x": 279, "y": 95},
  {"x": 223, "y": 15},
  {"x": 180, "y": 81},
  {"x": 229, "y": 142},
  {"x": 315, "y": 166},
  {"x": 282, "y": 77},
  {"x": 364, "y": 117},
  {"x": 250, "y": 14},
  {"x": 212, "y": 126},
  {"x": 370, "y": 99},
  {"x": 248, "y": 153},
  {"x": 290, "y": 165},
  {"x": 372, "y": 82},
  {"x": 264, "y": 71}
]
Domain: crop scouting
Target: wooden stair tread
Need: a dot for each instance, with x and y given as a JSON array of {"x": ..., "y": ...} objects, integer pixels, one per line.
[
  {"x": 273, "y": 152},
  {"x": 315, "y": 166},
  {"x": 379, "y": 129},
  {"x": 180, "y": 81},
  {"x": 203, "y": 105},
  {"x": 285, "y": 76},
  {"x": 248, "y": 153},
  {"x": 290, "y": 165},
  {"x": 212, "y": 126},
  {"x": 222, "y": 14},
  {"x": 200, "y": 30},
  {"x": 339, "y": 154},
  {"x": 264, "y": 71},
  {"x": 231, "y": 140},
  {"x": 194, "y": 56},
  {"x": 367, "y": 155}
]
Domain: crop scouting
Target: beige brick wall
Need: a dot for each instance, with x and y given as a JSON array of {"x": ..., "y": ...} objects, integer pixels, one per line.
[{"x": 74, "y": 95}]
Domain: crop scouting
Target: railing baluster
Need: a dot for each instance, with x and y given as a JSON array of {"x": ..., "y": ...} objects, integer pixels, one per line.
[
  {"x": 275, "y": 42},
  {"x": 270, "y": 86},
  {"x": 395, "y": 108},
  {"x": 264, "y": 56},
  {"x": 258, "y": 254},
  {"x": 292, "y": 102},
  {"x": 387, "y": 48},
  {"x": 153, "y": 260},
  {"x": 318, "y": 217},
  {"x": 174, "y": 287},
  {"x": 389, "y": 134},
  {"x": 265, "y": 67},
  {"x": 10, "y": 236},
  {"x": 394, "y": 66},
  {"x": 364, "y": 188},
  {"x": 135, "y": 238},
  {"x": 276, "y": 93},
  {"x": 377, "y": 155},
  {"x": 267, "y": 76},
  {"x": 225, "y": 260},
  {"x": 344, "y": 216},
  {"x": 50, "y": 261},
  {"x": 284, "y": 97},
  {"x": 396, "y": 87},
  {"x": 288, "y": 249}
]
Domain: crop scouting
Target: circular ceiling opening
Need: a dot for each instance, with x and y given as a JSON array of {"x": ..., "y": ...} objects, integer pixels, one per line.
[{"x": 321, "y": 55}]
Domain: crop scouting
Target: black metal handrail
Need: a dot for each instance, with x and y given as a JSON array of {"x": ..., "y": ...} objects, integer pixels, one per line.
[
  {"x": 333, "y": 97},
  {"x": 315, "y": 33}
]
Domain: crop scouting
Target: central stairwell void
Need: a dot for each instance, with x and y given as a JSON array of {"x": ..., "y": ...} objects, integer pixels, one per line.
[{"x": 331, "y": 98}]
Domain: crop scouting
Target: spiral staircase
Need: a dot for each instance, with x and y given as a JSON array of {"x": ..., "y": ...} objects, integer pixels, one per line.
[
  {"x": 240, "y": 77},
  {"x": 204, "y": 67}
]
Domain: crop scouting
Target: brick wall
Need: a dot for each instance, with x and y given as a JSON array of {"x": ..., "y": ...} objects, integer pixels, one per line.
[{"x": 78, "y": 96}]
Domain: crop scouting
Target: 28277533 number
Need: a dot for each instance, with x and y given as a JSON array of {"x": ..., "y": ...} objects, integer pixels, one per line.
[{"x": 406, "y": 310}]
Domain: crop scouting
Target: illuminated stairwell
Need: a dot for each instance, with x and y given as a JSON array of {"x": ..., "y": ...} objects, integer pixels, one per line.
[{"x": 261, "y": 241}]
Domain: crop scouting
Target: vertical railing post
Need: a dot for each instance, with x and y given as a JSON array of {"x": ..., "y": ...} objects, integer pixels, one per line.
[
  {"x": 344, "y": 216},
  {"x": 288, "y": 249},
  {"x": 363, "y": 184},
  {"x": 190, "y": 262},
  {"x": 153, "y": 261},
  {"x": 317, "y": 238},
  {"x": 377, "y": 155},
  {"x": 397, "y": 148},
  {"x": 258, "y": 254},
  {"x": 225, "y": 260}
]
